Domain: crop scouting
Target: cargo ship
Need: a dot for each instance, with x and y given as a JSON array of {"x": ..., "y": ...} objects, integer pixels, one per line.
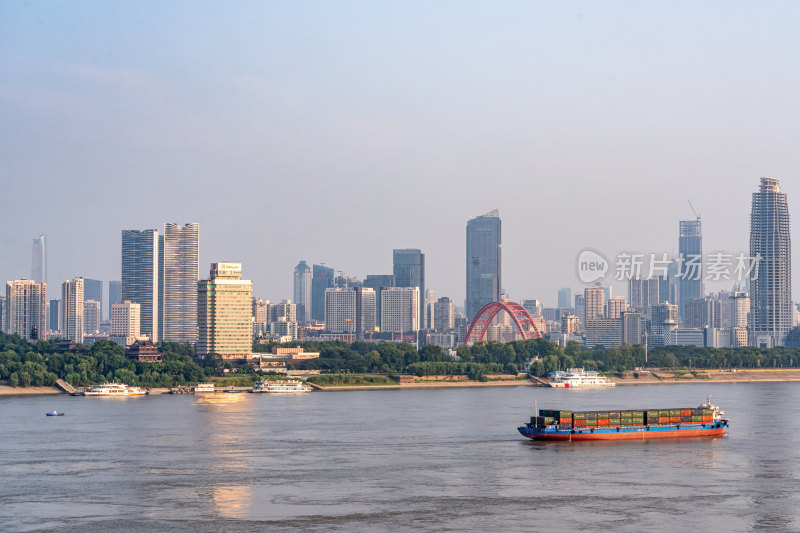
[{"x": 703, "y": 421}]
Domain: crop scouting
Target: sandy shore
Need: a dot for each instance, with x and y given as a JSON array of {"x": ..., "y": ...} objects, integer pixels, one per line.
[
  {"x": 8, "y": 390},
  {"x": 756, "y": 375},
  {"x": 436, "y": 385}
]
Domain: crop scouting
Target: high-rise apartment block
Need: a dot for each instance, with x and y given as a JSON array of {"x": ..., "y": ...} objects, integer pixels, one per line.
[
  {"x": 643, "y": 294},
  {"x": 93, "y": 290},
  {"x": 39, "y": 259},
  {"x": 377, "y": 282},
  {"x": 534, "y": 307},
  {"x": 484, "y": 270},
  {"x": 72, "y": 307},
  {"x": 224, "y": 313},
  {"x": 26, "y": 309},
  {"x": 771, "y": 290},
  {"x": 261, "y": 311},
  {"x": 365, "y": 311},
  {"x": 444, "y": 314},
  {"x": 91, "y": 316},
  {"x": 616, "y": 306},
  {"x": 340, "y": 310},
  {"x": 631, "y": 327},
  {"x": 125, "y": 323},
  {"x": 594, "y": 301},
  {"x": 570, "y": 324},
  {"x": 409, "y": 271},
  {"x": 400, "y": 309},
  {"x": 740, "y": 309},
  {"x": 178, "y": 273},
  {"x": 140, "y": 266},
  {"x": 350, "y": 310},
  {"x": 702, "y": 312},
  {"x": 303, "y": 280}
]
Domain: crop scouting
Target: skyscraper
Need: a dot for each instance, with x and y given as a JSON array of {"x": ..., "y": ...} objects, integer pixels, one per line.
[
  {"x": 322, "y": 279},
  {"x": 140, "y": 276},
  {"x": 303, "y": 279},
  {"x": 72, "y": 306},
  {"x": 39, "y": 259},
  {"x": 690, "y": 247},
  {"x": 179, "y": 270},
  {"x": 409, "y": 271},
  {"x": 114, "y": 294},
  {"x": 91, "y": 315},
  {"x": 565, "y": 298},
  {"x": 93, "y": 290},
  {"x": 444, "y": 314},
  {"x": 377, "y": 282},
  {"x": 594, "y": 300},
  {"x": 350, "y": 310},
  {"x": 483, "y": 262},
  {"x": 26, "y": 309},
  {"x": 771, "y": 291},
  {"x": 53, "y": 313},
  {"x": 400, "y": 309},
  {"x": 224, "y": 313}
]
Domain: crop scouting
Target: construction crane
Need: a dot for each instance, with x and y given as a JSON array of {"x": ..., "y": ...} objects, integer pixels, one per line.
[{"x": 693, "y": 209}]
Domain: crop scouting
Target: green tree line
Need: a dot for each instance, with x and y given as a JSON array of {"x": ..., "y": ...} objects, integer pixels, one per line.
[{"x": 30, "y": 364}]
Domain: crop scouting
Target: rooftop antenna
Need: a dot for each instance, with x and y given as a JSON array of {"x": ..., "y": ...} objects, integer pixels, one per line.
[{"x": 693, "y": 209}]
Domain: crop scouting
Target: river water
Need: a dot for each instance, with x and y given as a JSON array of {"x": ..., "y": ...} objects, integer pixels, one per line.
[{"x": 436, "y": 459}]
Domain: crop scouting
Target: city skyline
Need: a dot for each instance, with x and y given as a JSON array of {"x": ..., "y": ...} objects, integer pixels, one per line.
[{"x": 551, "y": 137}]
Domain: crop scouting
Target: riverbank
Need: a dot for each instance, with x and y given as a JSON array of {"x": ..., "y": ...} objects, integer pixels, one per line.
[
  {"x": 435, "y": 385},
  {"x": 8, "y": 390},
  {"x": 752, "y": 375}
]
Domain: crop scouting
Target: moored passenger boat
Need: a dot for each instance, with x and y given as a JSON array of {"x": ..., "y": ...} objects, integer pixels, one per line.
[
  {"x": 114, "y": 389},
  {"x": 703, "y": 421},
  {"x": 281, "y": 386},
  {"x": 578, "y": 378}
]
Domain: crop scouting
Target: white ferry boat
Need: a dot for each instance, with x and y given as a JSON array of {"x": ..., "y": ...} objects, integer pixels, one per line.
[
  {"x": 282, "y": 386},
  {"x": 114, "y": 389},
  {"x": 578, "y": 378},
  {"x": 204, "y": 387}
]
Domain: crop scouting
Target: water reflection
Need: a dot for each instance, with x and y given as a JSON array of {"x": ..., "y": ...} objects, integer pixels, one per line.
[{"x": 233, "y": 501}]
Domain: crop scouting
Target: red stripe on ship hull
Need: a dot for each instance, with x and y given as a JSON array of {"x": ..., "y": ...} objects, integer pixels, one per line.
[{"x": 640, "y": 435}]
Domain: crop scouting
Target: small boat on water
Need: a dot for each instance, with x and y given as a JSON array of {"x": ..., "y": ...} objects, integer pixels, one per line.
[{"x": 55, "y": 413}]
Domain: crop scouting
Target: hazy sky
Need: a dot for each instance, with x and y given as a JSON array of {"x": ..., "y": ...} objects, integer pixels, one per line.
[{"x": 336, "y": 131}]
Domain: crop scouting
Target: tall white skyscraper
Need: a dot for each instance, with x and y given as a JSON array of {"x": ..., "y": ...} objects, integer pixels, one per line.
[
  {"x": 140, "y": 276},
  {"x": 25, "y": 309},
  {"x": 39, "y": 259},
  {"x": 350, "y": 310},
  {"x": 179, "y": 271},
  {"x": 771, "y": 292},
  {"x": 400, "y": 309},
  {"x": 303, "y": 276},
  {"x": 72, "y": 307},
  {"x": 340, "y": 310}
]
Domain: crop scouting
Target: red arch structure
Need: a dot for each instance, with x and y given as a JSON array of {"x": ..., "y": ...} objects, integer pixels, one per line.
[{"x": 522, "y": 319}]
